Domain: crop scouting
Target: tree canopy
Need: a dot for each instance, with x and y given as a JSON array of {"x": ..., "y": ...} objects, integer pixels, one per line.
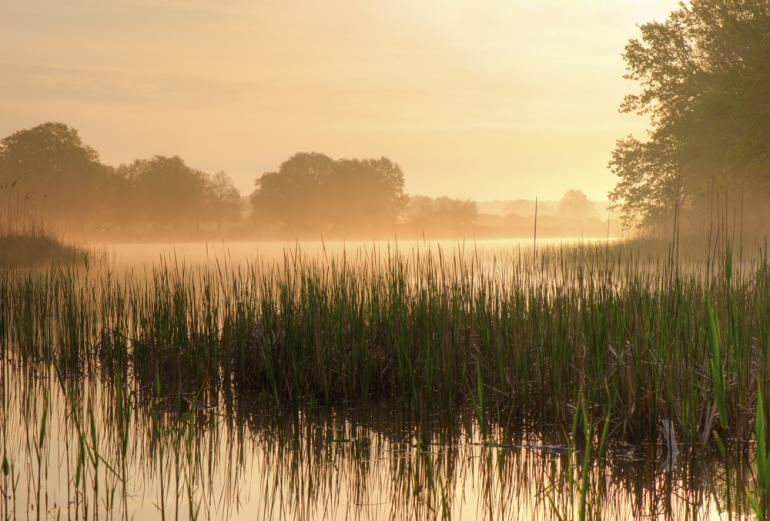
[
  {"x": 705, "y": 84},
  {"x": 166, "y": 190},
  {"x": 49, "y": 176},
  {"x": 311, "y": 192},
  {"x": 575, "y": 204},
  {"x": 47, "y": 173},
  {"x": 51, "y": 172},
  {"x": 441, "y": 214}
]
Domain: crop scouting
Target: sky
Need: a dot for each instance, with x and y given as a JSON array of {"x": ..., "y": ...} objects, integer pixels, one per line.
[{"x": 473, "y": 99}]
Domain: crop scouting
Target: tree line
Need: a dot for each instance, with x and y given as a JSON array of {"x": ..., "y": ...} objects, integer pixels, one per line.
[
  {"x": 48, "y": 174},
  {"x": 704, "y": 74}
]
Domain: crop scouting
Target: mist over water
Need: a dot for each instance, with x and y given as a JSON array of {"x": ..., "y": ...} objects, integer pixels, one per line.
[
  {"x": 404, "y": 260},
  {"x": 204, "y": 253},
  {"x": 250, "y": 380}
]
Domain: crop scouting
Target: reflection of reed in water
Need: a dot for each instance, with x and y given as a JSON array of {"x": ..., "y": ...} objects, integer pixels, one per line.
[
  {"x": 94, "y": 447},
  {"x": 197, "y": 392}
]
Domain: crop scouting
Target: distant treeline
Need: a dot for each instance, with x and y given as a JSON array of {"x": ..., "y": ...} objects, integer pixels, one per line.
[
  {"x": 49, "y": 176},
  {"x": 705, "y": 87}
]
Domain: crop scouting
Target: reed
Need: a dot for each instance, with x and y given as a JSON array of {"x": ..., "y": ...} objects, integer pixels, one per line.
[
  {"x": 762, "y": 460},
  {"x": 36, "y": 246},
  {"x": 644, "y": 337},
  {"x": 219, "y": 459}
]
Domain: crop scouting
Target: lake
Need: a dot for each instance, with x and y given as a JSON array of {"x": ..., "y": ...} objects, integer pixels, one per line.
[{"x": 383, "y": 381}]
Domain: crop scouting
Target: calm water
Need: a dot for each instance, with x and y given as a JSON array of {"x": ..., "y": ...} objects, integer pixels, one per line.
[
  {"x": 79, "y": 449},
  {"x": 96, "y": 445}
]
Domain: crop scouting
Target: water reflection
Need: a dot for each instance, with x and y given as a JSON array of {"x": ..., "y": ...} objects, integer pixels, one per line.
[{"x": 89, "y": 446}]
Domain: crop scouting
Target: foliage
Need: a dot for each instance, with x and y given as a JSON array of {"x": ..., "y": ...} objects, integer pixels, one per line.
[
  {"x": 705, "y": 80},
  {"x": 49, "y": 171},
  {"x": 165, "y": 189},
  {"x": 48, "y": 174},
  {"x": 442, "y": 214},
  {"x": 222, "y": 198},
  {"x": 575, "y": 204},
  {"x": 311, "y": 192}
]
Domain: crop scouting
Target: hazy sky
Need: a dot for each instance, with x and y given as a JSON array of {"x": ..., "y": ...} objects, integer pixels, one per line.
[{"x": 482, "y": 99}]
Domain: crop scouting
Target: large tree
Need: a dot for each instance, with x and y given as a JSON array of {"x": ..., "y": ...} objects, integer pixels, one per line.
[
  {"x": 48, "y": 173},
  {"x": 166, "y": 192},
  {"x": 293, "y": 197},
  {"x": 366, "y": 195},
  {"x": 313, "y": 193},
  {"x": 705, "y": 84}
]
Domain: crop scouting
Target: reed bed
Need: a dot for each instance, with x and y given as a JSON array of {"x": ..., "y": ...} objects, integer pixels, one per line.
[
  {"x": 513, "y": 335},
  {"x": 37, "y": 247}
]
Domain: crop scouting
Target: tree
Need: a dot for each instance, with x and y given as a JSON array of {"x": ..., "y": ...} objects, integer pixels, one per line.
[
  {"x": 223, "y": 199},
  {"x": 441, "y": 215},
  {"x": 575, "y": 204},
  {"x": 53, "y": 174},
  {"x": 365, "y": 195},
  {"x": 705, "y": 78},
  {"x": 46, "y": 172},
  {"x": 292, "y": 197},
  {"x": 311, "y": 192},
  {"x": 166, "y": 191}
]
